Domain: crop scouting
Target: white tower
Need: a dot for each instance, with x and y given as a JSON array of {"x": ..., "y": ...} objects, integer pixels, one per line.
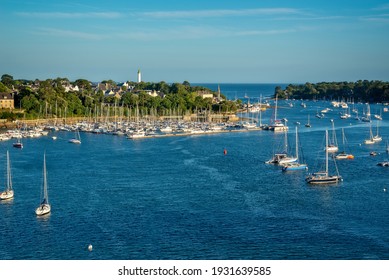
[{"x": 139, "y": 76}]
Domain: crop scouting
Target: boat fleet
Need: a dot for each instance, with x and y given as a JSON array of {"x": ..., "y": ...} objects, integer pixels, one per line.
[
  {"x": 143, "y": 128},
  {"x": 44, "y": 207},
  {"x": 289, "y": 161}
]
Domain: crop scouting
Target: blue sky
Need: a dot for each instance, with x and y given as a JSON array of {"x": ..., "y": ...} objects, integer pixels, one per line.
[{"x": 198, "y": 41}]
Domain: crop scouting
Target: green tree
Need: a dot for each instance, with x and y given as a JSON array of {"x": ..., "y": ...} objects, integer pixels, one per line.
[
  {"x": 7, "y": 80},
  {"x": 3, "y": 88}
]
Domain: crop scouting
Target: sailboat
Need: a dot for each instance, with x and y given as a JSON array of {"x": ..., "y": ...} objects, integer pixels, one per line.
[
  {"x": 276, "y": 124},
  {"x": 297, "y": 165},
  {"x": 386, "y": 162},
  {"x": 9, "y": 192},
  {"x": 373, "y": 139},
  {"x": 282, "y": 158},
  {"x": 18, "y": 144},
  {"x": 44, "y": 207},
  {"x": 77, "y": 139},
  {"x": 377, "y": 137},
  {"x": 343, "y": 154},
  {"x": 367, "y": 117},
  {"x": 323, "y": 177},
  {"x": 333, "y": 145},
  {"x": 308, "y": 124}
]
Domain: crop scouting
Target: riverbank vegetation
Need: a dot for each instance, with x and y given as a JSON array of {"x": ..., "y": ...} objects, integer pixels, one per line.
[{"x": 360, "y": 91}]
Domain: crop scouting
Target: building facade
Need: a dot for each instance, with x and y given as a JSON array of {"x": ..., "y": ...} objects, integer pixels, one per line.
[{"x": 6, "y": 100}]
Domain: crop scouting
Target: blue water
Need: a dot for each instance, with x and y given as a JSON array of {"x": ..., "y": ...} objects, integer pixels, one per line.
[
  {"x": 182, "y": 198},
  {"x": 244, "y": 91}
]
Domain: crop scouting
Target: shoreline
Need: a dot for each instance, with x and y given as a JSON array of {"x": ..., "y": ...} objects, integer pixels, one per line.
[{"x": 133, "y": 130}]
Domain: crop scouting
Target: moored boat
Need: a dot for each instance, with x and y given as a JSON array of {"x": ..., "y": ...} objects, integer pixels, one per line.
[
  {"x": 77, "y": 139},
  {"x": 8, "y": 193},
  {"x": 332, "y": 147},
  {"x": 343, "y": 154},
  {"x": 296, "y": 165},
  {"x": 323, "y": 177},
  {"x": 44, "y": 207},
  {"x": 283, "y": 157}
]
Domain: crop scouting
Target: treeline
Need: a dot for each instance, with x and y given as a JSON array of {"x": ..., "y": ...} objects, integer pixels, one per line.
[
  {"x": 360, "y": 91},
  {"x": 41, "y": 98}
]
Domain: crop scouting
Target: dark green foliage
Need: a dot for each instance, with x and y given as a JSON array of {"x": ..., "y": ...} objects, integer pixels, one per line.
[
  {"x": 3, "y": 88},
  {"x": 364, "y": 91},
  {"x": 49, "y": 98}
]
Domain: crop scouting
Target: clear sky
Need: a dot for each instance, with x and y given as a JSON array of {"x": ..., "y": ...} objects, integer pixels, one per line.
[{"x": 198, "y": 41}]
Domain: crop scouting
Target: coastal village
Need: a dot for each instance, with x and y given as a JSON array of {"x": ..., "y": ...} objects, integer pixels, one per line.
[
  {"x": 144, "y": 110},
  {"x": 114, "y": 118}
]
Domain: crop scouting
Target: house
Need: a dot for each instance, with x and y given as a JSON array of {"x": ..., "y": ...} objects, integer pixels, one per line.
[
  {"x": 112, "y": 93},
  {"x": 70, "y": 87},
  {"x": 125, "y": 85},
  {"x": 205, "y": 94},
  {"x": 152, "y": 93},
  {"x": 6, "y": 100}
]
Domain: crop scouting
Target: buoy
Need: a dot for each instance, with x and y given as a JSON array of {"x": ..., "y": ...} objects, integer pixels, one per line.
[
  {"x": 90, "y": 247},
  {"x": 384, "y": 189},
  {"x": 225, "y": 151}
]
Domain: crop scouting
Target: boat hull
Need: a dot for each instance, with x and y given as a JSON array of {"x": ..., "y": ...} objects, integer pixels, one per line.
[
  {"x": 18, "y": 145},
  {"x": 323, "y": 180},
  {"x": 75, "y": 141},
  {"x": 344, "y": 156},
  {"x": 7, "y": 195},
  {"x": 281, "y": 159},
  {"x": 294, "y": 167},
  {"x": 43, "y": 209},
  {"x": 332, "y": 149}
]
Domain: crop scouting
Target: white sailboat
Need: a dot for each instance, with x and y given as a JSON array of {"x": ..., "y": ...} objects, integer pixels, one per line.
[
  {"x": 44, "y": 208},
  {"x": 343, "y": 154},
  {"x": 323, "y": 177},
  {"x": 77, "y": 139},
  {"x": 308, "y": 124},
  {"x": 372, "y": 139},
  {"x": 277, "y": 125},
  {"x": 297, "y": 165},
  {"x": 386, "y": 162},
  {"x": 377, "y": 137},
  {"x": 332, "y": 147},
  {"x": 283, "y": 157},
  {"x": 8, "y": 192},
  {"x": 367, "y": 116}
]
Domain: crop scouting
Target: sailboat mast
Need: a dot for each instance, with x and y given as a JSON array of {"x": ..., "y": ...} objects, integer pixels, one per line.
[
  {"x": 45, "y": 197},
  {"x": 260, "y": 110},
  {"x": 9, "y": 181},
  {"x": 333, "y": 132},
  {"x": 326, "y": 152},
  {"x": 275, "y": 109},
  {"x": 297, "y": 145}
]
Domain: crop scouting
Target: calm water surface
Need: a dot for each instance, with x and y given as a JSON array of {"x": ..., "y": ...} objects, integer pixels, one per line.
[{"x": 182, "y": 198}]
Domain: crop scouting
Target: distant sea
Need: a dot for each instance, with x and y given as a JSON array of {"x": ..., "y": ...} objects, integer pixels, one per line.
[
  {"x": 243, "y": 91},
  {"x": 184, "y": 198}
]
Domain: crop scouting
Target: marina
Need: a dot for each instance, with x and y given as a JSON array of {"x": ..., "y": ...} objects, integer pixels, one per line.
[{"x": 185, "y": 197}]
